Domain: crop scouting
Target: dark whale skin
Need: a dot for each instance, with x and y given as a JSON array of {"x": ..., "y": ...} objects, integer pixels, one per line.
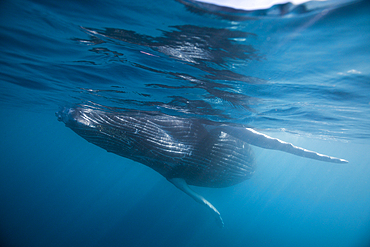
[{"x": 175, "y": 147}]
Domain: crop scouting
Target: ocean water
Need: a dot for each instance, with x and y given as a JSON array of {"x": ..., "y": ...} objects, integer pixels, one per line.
[{"x": 298, "y": 73}]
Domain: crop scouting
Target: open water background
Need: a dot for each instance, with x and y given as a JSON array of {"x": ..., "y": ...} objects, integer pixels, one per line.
[{"x": 298, "y": 73}]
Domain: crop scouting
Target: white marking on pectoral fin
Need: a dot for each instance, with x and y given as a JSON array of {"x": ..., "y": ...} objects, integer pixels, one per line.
[
  {"x": 182, "y": 185},
  {"x": 264, "y": 141}
]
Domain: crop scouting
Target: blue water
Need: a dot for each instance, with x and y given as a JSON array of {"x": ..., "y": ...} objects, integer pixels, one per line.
[{"x": 299, "y": 74}]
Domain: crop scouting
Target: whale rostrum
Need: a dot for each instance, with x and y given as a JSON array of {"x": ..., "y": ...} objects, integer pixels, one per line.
[{"x": 186, "y": 151}]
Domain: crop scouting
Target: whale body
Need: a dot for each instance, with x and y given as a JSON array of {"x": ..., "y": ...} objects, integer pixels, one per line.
[{"x": 186, "y": 151}]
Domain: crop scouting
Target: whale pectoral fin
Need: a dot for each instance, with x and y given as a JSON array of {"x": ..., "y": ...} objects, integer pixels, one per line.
[
  {"x": 264, "y": 141},
  {"x": 182, "y": 185}
]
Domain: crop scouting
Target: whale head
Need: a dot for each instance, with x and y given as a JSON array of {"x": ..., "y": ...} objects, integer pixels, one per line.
[{"x": 75, "y": 116}]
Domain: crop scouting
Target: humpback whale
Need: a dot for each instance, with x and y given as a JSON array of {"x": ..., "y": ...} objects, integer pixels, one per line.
[{"x": 186, "y": 151}]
